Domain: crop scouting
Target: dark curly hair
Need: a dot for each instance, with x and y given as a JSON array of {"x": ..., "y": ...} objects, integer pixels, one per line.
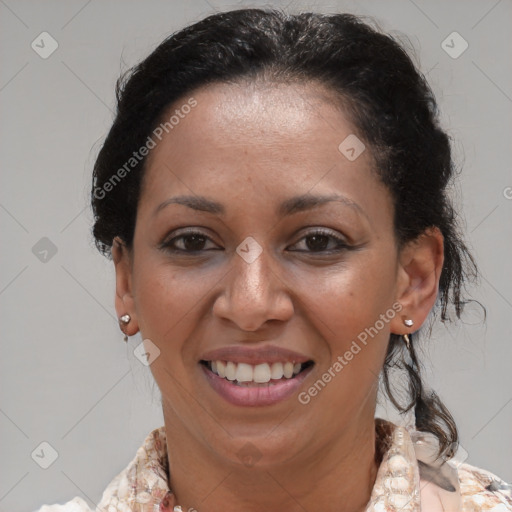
[{"x": 387, "y": 99}]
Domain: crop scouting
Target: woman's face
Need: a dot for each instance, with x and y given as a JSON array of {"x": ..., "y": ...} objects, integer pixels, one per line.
[{"x": 261, "y": 269}]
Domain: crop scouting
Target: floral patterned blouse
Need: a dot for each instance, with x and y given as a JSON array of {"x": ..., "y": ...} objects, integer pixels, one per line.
[{"x": 409, "y": 479}]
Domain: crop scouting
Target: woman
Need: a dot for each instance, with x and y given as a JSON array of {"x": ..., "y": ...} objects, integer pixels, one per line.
[{"x": 273, "y": 193}]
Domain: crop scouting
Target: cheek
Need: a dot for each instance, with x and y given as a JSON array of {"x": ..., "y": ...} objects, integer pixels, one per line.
[
  {"x": 168, "y": 304},
  {"x": 358, "y": 311},
  {"x": 345, "y": 301},
  {"x": 169, "y": 300},
  {"x": 156, "y": 300}
]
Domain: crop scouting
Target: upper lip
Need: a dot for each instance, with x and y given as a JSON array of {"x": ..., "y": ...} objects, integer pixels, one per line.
[{"x": 263, "y": 354}]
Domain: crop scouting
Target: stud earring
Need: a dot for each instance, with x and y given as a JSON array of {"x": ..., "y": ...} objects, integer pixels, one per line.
[
  {"x": 125, "y": 319},
  {"x": 409, "y": 323}
]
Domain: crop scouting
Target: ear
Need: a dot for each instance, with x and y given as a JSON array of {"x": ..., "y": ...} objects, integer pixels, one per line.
[
  {"x": 419, "y": 270},
  {"x": 124, "y": 302}
]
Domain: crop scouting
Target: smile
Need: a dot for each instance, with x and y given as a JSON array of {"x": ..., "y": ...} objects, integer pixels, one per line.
[
  {"x": 255, "y": 385},
  {"x": 243, "y": 373}
]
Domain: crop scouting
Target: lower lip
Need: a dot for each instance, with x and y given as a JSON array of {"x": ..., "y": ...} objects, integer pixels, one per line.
[{"x": 257, "y": 395}]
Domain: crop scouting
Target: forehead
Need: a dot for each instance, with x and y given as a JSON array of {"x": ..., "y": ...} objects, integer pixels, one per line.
[
  {"x": 287, "y": 109},
  {"x": 271, "y": 122},
  {"x": 282, "y": 140}
]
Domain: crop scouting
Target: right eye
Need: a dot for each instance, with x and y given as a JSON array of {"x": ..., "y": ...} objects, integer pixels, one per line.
[{"x": 189, "y": 242}]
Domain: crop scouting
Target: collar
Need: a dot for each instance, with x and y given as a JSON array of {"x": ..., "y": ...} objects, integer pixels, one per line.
[{"x": 409, "y": 472}]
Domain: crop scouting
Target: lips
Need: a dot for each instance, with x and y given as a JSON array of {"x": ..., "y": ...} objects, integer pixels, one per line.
[
  {"x": 267, "y": 354},
  {"x": 255, "y": 377}
]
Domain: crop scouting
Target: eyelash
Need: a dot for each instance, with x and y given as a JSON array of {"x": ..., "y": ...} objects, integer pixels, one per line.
[{"x": 340, "y": 243}]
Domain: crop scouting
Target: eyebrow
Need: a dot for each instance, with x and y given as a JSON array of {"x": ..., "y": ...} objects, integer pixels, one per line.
[{"x": 288, "y": 207}]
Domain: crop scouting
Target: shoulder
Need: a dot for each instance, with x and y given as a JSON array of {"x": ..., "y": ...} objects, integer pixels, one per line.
[
  {"x": 75, "y": 505},
  {"x": 482, "y": 490}
]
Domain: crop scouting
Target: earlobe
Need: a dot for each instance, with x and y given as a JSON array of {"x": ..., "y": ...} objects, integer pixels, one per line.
[
  {"x": 124, "y": 302},
  {"x": 420, "y": 266}
]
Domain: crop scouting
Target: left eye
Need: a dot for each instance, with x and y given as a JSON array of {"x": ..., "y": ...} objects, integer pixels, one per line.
[{"x": 319, "y": 240}]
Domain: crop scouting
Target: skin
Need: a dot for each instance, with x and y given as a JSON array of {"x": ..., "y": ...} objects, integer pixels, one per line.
[{"x": 250, "y": 148}]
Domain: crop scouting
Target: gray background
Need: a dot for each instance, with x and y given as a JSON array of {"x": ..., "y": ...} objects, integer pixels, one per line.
[{"x": 67, "y": 377}]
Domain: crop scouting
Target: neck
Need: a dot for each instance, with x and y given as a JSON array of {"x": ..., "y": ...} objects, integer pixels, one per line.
[{"x": 339, "y": 477}]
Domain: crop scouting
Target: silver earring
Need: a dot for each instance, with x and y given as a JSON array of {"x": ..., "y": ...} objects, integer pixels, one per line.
[
  {"x": 409, "y": 323},
  {"x": 125, "y": 319}
]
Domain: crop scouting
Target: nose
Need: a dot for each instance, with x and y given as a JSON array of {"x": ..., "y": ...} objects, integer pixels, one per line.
[{"x": 254, "y": 293}]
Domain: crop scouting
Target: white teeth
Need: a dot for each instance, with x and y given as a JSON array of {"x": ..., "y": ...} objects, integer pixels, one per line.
[
  {"x": 276, "y": 371},
  {"x": 288, "y": 370},
  {"x": 221, "y": 368},
  {"x": 243, "y": 372},
  {"x": 230, "y": 370},
  {"x": 261, "y": 373}
]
